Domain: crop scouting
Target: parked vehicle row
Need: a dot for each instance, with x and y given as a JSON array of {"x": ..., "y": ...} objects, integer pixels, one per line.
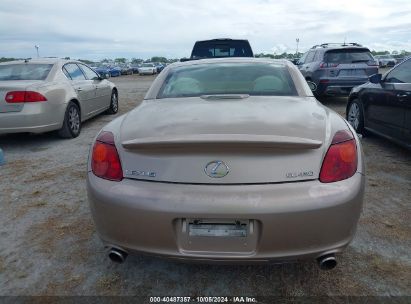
[
  {"x": 128, "y": 69},
  {"x": 108, "y": 71}
]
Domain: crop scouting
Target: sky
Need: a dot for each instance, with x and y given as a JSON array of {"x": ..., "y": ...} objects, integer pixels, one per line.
[{"x": 94, "y": 30}]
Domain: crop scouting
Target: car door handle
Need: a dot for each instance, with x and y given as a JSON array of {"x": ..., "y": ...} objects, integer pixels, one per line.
[
  {"x": 404, "y": 96},
  {"x": 79, "y": 89}
]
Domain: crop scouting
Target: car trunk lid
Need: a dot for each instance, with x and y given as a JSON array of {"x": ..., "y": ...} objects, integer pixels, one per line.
[
  {"x": 256, "y": 140},
  {"x": 14, "y": 85}
]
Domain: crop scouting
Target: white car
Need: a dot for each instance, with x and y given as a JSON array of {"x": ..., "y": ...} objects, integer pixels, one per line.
[
  {"x": 385, "y": 60},
  {"x": 147, "y": 68}
]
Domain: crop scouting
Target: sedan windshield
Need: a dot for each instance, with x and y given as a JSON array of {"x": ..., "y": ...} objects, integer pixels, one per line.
[
  {"x": 24, "y": 71},
  {"x": 228, "y": 78}
]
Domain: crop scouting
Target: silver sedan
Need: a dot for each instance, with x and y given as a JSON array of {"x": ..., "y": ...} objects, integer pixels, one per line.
[
  {"x": 228, "y": 160},
  {"x": 43, "y": 95}
]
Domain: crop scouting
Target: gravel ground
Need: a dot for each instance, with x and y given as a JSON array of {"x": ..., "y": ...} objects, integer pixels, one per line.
[{"x": 48, "y": 244}]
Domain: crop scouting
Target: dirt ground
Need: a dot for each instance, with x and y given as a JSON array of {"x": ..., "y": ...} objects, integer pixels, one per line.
[{"x": 48, "y": 244}]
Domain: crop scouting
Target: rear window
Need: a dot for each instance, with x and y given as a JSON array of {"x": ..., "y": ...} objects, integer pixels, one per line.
[
  {"x": 348, "y": 56},
  {"x": 228, "y": 78},
  {"x": 213, "y": 49},
  {"x": 24, "y": 71}
]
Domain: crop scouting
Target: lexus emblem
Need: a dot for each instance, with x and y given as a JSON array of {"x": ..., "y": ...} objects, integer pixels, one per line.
[{"x": 216, "y": 169}]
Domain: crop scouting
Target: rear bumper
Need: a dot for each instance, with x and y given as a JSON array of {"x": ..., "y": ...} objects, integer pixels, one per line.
[
  {"x": 287, "y": 221},
  {"x": 33, "y": 118},
  {"x": 337, "y": 87},
  {"x": 147, "y": 72}
]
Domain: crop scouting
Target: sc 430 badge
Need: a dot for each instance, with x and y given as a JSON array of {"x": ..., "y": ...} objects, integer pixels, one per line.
[{"x": 299, "y": 174}]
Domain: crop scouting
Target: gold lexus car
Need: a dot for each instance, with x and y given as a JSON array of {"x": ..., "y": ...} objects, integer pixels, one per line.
[{"x": 227, "y": 160}]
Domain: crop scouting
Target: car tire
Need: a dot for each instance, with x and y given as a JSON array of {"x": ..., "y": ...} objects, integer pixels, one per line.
[
  {"x": 72, "y": 122},
  {"x": 113, "y": 109},
  {"x": 355, "y": 116}
]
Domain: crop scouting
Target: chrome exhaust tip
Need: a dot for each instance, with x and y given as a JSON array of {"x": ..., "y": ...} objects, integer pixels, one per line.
[
  {"x": 327, "y": 262},
  {"x": 117, "y": 255}
]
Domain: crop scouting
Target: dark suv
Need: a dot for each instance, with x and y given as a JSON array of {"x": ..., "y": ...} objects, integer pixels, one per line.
[
  {"x": 218, "y": 48},
  {"x": 337, "y": 68}
]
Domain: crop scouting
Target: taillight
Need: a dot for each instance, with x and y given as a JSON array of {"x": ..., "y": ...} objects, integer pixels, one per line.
[
  {"x": 328, "y": 65},
  {"x": 340, "y": 162},
  {"x": 105, "y": 162},
  {"x": 24, "y": 96}
]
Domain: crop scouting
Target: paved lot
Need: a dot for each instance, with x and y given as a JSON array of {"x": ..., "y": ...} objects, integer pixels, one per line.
[{"x": 48, "y": 245}]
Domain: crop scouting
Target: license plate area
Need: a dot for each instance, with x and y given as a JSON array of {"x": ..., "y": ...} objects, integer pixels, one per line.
[
  {"x": 217, "y": 237},
  {"x": 234, "y": 229},
  {"x": 352, "y": 72}
]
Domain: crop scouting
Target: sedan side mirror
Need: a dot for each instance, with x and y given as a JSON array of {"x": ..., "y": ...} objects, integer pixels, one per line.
[{"x": 376, "y": 78}]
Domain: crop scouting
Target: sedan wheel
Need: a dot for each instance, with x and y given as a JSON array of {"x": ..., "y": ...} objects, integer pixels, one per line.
[
  {"x": 72, "y": 122},
  {"x": 355, "y": 117},
  {"x": 113, "y": 109}
]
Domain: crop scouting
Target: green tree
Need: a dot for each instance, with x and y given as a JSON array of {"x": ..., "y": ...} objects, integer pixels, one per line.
[
  {"x": 136, "y": 60},
  {"x": 158, "y": 59},
  {"x": 120, "y": 60},
  {"x": 5, "y": 59},
  {"x": 86, "y": 61},
  {"x": 380, "y": 52}
]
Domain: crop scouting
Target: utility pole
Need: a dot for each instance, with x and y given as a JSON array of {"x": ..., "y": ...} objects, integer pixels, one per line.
[
  {"x": 37, "y": 49},
  {"x": 298, "y": 41}
]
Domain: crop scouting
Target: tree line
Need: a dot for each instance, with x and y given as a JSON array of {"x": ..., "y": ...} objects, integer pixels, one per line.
[{"x": 284, "y": 55}]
